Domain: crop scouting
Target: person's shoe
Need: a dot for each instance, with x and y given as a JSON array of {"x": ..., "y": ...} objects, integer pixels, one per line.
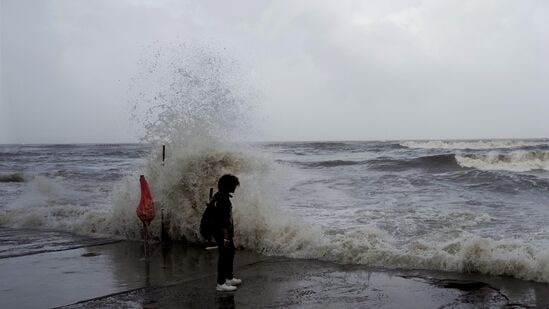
[
  {"x": 233, "y": 282},
  {"x": 225, "y": 288}
]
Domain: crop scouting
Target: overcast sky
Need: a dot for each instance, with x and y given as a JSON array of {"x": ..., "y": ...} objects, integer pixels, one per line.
[{"x": 325, "y": 70}]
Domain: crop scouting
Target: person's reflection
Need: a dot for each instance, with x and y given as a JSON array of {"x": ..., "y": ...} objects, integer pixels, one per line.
[
  {"x": 147, "y": 272},
  {"x": 224, "y": 301},
  {"x": 149, "y": 304},
  {"x": 167, "y": 260}
]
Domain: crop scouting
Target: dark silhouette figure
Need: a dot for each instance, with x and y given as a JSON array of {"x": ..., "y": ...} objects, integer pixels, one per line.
[{"x": 224, "y": 233}]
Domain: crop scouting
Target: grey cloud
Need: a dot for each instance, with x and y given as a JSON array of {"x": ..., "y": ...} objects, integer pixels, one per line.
[{"x": 326, "y": 69}]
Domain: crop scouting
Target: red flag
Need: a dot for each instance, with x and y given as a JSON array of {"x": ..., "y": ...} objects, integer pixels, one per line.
[{"x": 145, "y": 209}]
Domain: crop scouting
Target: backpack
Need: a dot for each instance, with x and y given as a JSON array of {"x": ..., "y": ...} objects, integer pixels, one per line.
[{"x": 207, "y": 223}]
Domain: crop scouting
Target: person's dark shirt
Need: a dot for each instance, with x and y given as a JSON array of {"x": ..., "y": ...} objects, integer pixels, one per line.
[{"x": 224, "y": 208}]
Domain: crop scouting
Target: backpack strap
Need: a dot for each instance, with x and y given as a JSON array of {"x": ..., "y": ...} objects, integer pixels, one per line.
[{"x": 213, "y": 200}]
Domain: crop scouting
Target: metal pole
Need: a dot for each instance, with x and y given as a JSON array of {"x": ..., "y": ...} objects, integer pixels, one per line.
[{"x": 164, "y": 235}]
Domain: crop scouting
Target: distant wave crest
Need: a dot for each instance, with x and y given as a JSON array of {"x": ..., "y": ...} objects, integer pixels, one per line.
[
  {"x": 479, "y": 144},
  {"x": 442, "y": 161},
  {"x": 327, "y": 163},
  {"x": 516, "y": 161},
  {"x": 11, "y": 178}
]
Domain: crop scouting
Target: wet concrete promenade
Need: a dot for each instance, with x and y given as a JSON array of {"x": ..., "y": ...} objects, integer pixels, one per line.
[{"x": 51, "y": 269}]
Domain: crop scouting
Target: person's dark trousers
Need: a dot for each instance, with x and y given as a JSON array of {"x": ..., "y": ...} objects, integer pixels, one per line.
[{"x": 225, "y": 261}]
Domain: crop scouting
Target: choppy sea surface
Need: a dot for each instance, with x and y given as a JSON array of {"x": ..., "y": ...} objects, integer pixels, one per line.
[{"x": 466, "y": 206}]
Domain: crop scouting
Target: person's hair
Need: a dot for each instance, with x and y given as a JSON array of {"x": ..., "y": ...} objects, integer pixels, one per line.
[{"x": 227, "y": 183}]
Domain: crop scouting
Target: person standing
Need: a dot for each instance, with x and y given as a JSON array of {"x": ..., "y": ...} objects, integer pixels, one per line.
[{"x": 224, "y": 233}]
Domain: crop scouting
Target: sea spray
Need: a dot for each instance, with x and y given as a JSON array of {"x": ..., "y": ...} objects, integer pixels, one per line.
[
  {"x": 192, "y": 95},
  {"x": 201, "y": 112},
  {"x": 187, "y": 100}
]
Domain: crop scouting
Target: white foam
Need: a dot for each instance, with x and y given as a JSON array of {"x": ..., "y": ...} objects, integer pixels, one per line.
[
  {"x": 480, "y": 144},
  {"x": 517, "y": 161},
  {"x": 48, "y": 203},
  {"x": 467, "y": 253}
]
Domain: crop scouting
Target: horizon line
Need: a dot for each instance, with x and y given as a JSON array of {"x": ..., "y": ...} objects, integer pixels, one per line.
[{"x": 288, "y": 141}]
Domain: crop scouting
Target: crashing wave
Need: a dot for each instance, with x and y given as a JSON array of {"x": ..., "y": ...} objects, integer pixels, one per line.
[
  {"x": 468, "y": 253},
  {"x": 200, "y": 113}
]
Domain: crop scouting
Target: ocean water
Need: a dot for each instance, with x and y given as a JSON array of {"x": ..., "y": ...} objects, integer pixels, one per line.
[{"x": 463, "y": 206}]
